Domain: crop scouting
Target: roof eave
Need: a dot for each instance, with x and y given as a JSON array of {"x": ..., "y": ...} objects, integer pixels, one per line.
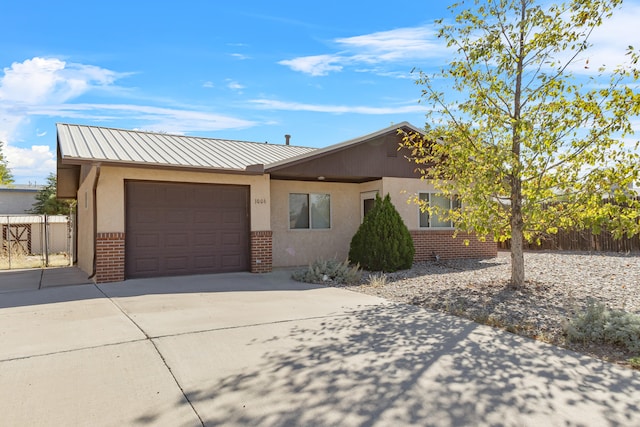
[{"x": 257, "y": 169}]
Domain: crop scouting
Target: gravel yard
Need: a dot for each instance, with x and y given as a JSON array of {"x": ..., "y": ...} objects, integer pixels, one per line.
[{"x": 558, "y": 285}]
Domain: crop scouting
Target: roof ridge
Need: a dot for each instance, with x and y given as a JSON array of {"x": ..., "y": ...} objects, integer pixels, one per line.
[{"x": 148, "y": 132}]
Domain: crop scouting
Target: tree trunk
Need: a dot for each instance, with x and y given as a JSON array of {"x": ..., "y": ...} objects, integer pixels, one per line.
[
  {"x": 517, "y": 255},
  {"x": 517, "y": 225}
]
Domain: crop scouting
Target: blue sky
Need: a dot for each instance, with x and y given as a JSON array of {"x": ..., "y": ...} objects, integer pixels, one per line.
[{"x": 323, "y": 72}]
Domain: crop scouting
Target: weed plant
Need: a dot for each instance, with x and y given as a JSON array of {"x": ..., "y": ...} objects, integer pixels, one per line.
[{"x": 334, "y": 271}]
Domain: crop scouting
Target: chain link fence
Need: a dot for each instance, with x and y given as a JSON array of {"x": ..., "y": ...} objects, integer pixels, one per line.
[{"x": 34, "y": 241}]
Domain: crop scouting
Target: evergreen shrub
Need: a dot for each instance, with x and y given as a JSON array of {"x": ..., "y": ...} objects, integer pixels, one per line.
[{"x": 383, "y": 242}]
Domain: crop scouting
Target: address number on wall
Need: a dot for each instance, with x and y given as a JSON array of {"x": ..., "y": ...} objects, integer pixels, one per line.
[{"x": 260, "y": 201}]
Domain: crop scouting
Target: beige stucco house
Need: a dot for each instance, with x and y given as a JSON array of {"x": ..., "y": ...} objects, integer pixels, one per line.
[{"x": 155, "y": 204}]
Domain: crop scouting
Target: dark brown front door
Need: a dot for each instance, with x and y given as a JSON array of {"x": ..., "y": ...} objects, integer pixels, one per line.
[{"x": 175, "y": 229}]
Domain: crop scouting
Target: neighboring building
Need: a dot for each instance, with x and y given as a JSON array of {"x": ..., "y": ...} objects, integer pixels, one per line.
[
  {"x": 156, "y": 205},
  {"x": 18, "y": 198}
]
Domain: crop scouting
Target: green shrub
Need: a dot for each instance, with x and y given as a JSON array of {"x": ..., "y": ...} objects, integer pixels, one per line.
[
  {"x": 383, "y": 242},
  {"x": 330, "y": 270},
  {"x": 634, "y": 362},
  {"x": 601, "y": 325}
]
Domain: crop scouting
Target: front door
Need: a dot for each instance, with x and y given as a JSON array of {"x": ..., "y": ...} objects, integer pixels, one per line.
[{"x": 367, "y": 200}]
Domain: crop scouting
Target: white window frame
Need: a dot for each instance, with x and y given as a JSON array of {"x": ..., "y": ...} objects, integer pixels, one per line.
[
  {"x": 429, "y": 226},
  {"x": 310, "y": 228}
]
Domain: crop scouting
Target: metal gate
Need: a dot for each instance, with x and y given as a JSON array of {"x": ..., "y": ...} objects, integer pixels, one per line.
[{"x": 30, "y": 241}]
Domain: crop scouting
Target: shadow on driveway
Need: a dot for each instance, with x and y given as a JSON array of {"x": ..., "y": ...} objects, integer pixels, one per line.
[
  {"x": 12, "y": 283},
  {"x": 41, "y": 278},
  {"x": 323, "y": 357},
  {"x": 400, "y": 365}
]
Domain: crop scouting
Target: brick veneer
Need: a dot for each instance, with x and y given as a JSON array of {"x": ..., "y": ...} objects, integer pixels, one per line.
[
  {"x": 441, "y": 243},
  {"x": 261, "y": 251},
  {"x": 109, "y": 257}
]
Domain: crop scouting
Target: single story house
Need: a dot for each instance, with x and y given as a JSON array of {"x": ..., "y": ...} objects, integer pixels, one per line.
[
  {"x": 152, "y": 204},
  {"x": 18, "y": 198}
]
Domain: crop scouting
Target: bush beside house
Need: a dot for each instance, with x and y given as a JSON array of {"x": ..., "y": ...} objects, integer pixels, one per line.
[{"x": 382, "y": 242}]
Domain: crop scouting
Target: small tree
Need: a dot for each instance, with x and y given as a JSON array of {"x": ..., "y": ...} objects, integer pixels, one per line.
[
  {"x": 5, "y": 173},
  {"x": 383, "y": 242},
  {"x": 526, "y": 145},
  {"x": 47, "y": 201}
]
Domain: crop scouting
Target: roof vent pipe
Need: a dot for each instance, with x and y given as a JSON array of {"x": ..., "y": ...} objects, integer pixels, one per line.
[{"x": 286, "y": 139}]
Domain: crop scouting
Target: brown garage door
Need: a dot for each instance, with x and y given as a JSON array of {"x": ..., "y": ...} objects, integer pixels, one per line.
[{"x": 174, "y": 229}]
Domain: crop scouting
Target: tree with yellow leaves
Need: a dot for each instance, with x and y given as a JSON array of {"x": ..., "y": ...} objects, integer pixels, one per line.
[{"x": 525, "y": 143}]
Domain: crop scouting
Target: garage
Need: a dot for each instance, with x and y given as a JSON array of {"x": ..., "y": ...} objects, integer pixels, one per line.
[{"x": 176, "y": 229}]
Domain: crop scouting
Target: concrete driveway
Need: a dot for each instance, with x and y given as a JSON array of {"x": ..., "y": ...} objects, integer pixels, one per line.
[{"x": 243, "y": 349}]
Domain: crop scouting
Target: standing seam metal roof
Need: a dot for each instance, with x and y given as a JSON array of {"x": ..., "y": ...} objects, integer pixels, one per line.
[{"x": 93, "y": 143}]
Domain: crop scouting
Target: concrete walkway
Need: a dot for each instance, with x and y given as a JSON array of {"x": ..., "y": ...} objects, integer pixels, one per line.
[
  {"x": 39, "y": 278},
  {"x": 243, "y": 349}
]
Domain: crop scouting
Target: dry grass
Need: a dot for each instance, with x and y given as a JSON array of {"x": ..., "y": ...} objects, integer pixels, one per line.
[{"x": 22, "y": 261}]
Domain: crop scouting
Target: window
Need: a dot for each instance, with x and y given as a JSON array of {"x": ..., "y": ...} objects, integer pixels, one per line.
[
  {"x": 309, "y": 211},
  {"x": 442, "y": 202}
]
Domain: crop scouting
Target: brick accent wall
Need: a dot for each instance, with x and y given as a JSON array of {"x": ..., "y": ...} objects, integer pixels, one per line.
[
  {"x": 441, "y": 242},
  {"x": 109, "y": 257},
  {"x": 261, "y": 251}
]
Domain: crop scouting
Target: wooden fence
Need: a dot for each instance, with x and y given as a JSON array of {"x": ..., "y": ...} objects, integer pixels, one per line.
[{"x": 582, "y": 240}]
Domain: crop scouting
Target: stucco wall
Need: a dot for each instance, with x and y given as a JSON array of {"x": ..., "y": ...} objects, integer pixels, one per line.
[
  {"x": 269, "y": 209},
  {"x": 85, "y": 223},
  {"x": 401, "y": 191},
  {"x": 111, "y": 192},
  {"x": 301, "y": 247},
  {"x": 14, "y": 201}
]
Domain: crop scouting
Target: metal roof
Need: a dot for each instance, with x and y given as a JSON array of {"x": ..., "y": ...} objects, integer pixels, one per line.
[
  {"x": 22, "y": 187},
  {"x": 79, "y": 143}
]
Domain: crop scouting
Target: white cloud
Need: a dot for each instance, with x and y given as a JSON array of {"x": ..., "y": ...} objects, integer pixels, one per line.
[
  {"x": 384, "y": 47},
  {"x": 394, "y": 45},
  {"x": 26, "y": 86},
  {"x": 338, "y": 109},
  {"x": 233, "y": 85},
  {"x": 611, "y": 40},
  {"x": 30, "y": 163},
  {"x": 318, "y": 65},
  {"x": 239, "y": 56},
  {"x": 40, "y": 80},
  {"x": 208, "y": 85},
  {"x": 10, "y": 122},
  {"x": 153, "y": 118},
  {"x": 40, "y": 87},
  {"x": 413, "y": 44}
]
